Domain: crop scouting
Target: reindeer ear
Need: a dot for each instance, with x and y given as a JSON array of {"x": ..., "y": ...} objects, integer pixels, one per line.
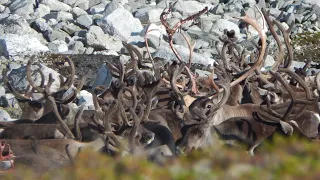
[{"x": 286, "y": 128}]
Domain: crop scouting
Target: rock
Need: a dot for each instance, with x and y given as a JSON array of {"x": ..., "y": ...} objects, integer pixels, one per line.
[
  {"x": 56, "y": 5},
  {"x": 2, "y": 8},
  {"x": 156, "y": 30},
  {"x": 77, "y": 47},
  {"x": 58, "y": 46},
  {"x": 148, "y": 15},
  {"x": 96, "y": 2},
  {"x": 15, "y": 24},
  {"x": 190, "y": 7},
  {"x": 18, "y": 77},
  {"x": 2, "y": 91},
  {"x": 71, "y": 29},
  {"x": 179, "y": 39},
  {"x": 12, "y": 101},
  {"x": 103, "y": 77},
  {"x": 89, "y": 50},
  {"x": 97, "y": 39},
  {"x": 14, "y": 45},
  {"x": 218, "y": 9},
  {"x": 78, "y": 11},
  {"x": 21, "y": 7},
  {"x": 97, "y": 9},
  {"x": 83, "y": 4},
  {"x": 4, "y": 2},
  {"x": 289, "y": 18},
  {"x": 268, "y": 63},
  {"x": 85, "y": 97},
  {"x": 69, "y": 2},
  {"x": 42, "y": 10},
  {"x": 56, "y": 35},
  {"x": 64, "y": 16},
  {"x": 113, "y": 5},
  {"x": 4, "y": 116},
  {"x": 41, "y": 25},
  {"x": 84, "y": 20},
  {"x": 166, "y": 53},
  {"x": 221, "y": 24},
  {"x": 121, "y": 23}
]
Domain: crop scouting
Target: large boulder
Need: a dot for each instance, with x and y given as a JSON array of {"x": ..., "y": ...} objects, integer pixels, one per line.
[
  {"x": 14, "y": 45},
  {"x": 97, "y": 39},
  {"x": 21, "y": 7},
  {"x": 121, "y": 23}
]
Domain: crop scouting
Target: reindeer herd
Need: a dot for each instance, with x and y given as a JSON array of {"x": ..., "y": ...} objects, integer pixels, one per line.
[{"x": 160, "y": 110}]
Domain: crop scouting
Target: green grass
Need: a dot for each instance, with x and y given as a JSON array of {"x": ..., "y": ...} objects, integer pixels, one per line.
[{"x": 283, "y": 158}]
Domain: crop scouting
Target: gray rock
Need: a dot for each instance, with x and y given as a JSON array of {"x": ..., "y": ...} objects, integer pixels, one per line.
[
  {"x": 18, "y": 77},
  {"x": 218, "y": 9},
  {"x": 83, "y": 4},
  {"x": 21, "y": 7},
  {"x": 71, "y": 28},
  {"x": 96, "y": 2},
  {"x": 97, "y": 9},
  {"x": 52, "y": 22},
  {"x": 64, "y": 16},
  {"x": 103, "y": 77},
  {"x": 179, "y": 39},
  {"x": 268, "y": 63},
  {"x": 113, "y": 5},
  {"x": 290, "y": 18},
  {"x": 4, "y": 116},
  {"x": 89, "y": 50},
  {"x": 85, "y": 20},
  {"x": 97, "y": 39},
  {"x": 56, "y": 5},
  {"x": 14, "y": 44},
  {"x": 58, "y": 46},
  {"x": 56, "y": 35},
  {"x": 77, "y": 47},
  {"x": 299, "y": 18},
  {"x": 166, "y": 53},
  {"x": 4, "y": 2},
  {"x": 148, "y": 15},
  {"x": 153, "y": 41},
  {"x": 317, "y": 2},
  {"x": 221, "y": 24},
  {"x": 2, "y": 91},
  {"x": 69, "y": 2},
  {"x": 190, "y": 7},
  {"x": 85, "y": 97},
  {"x": 41, "y": 25},
  {"x": 2, "y": 8},
  {"x": 78, "y": 11},
  {"x": 15, "y": 24},
  {"x": 42, "y": 10},
  {"x": 121, "y": 23}
]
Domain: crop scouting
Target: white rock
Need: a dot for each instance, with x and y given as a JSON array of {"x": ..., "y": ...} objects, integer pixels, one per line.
[
  {"x": 167, "y": 54},
  {"x": 83, "y": 4},
  {"x": 64, "y": 16},
  {"x": 56, "y": 5},
  {"x": 113, "y": 5},
  {"x": 190, "y": 7},
  {"x": 78, "y": 11},
  {"x": 84, "y": 20},
  {"x": 42, "y": 10},
  {"x": 121, "y": 23},
  {"x": 4, "y": 116},
  {"x": 97, "y": 39},
  {"x": 14, "y": 45},
  {"x": 97, "y": 9},
  {"x": 17, "y": 77},
  {"x": 155, "y": 30},
  {"x": 21, "y": 7},
  {"x": 149, "y": 15},
  {"x": 85, "y": 97},
  {"x": 58, "y": 46},
  {"x": 221, "y": 24}
]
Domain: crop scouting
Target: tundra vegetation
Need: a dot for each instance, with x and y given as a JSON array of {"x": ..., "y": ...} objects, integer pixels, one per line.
[{"x": 239, "y": 122}]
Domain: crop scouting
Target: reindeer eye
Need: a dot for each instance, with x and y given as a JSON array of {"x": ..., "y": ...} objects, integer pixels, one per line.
[{"x": 208, "y": 106}]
